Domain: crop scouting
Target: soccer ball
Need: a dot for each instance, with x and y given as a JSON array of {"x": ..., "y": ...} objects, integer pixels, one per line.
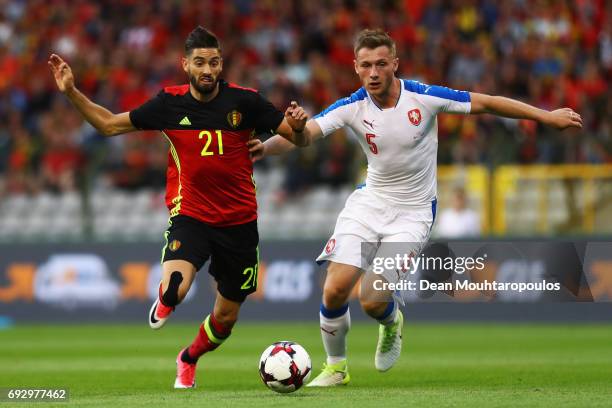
[{"x": 284, "y": 366}]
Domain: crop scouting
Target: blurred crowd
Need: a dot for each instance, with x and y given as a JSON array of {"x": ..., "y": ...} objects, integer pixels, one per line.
[{"x": 550, "y": 53}]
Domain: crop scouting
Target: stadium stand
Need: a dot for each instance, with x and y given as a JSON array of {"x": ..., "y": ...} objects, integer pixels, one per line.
[{"x": 59, "y": 179}]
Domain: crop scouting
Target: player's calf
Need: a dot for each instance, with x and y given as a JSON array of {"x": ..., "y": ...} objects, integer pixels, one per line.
[
  {"x": 166, "y": 301},
  {"x": 334, "y": 296},
  {"x": 171, "y": 296},
  {"x": 374, "y": 309},
  {"x": 339, "y": 284},
  {"x": 226, "y": 317}
]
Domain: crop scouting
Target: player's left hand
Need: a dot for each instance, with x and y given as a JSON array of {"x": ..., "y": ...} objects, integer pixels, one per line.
[
  {"x": 564, "y": 118},
  {"x": 257, "y": 149},
  {"x": 296, "y": 117}
]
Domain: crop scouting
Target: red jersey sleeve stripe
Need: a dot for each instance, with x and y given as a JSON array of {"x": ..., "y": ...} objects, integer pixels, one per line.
[
  {"x": 177, "y": 89},
  {"x": 233, "y": 85}
]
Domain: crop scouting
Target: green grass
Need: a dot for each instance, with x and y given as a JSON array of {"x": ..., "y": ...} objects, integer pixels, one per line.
[{"x": 442, "y": 365}]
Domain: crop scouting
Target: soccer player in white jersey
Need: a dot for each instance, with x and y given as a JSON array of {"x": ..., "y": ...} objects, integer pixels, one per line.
[{"x": 395, "y": 123}]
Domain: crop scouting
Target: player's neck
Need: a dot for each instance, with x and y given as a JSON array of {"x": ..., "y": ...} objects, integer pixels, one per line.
[
  {"x": 389, "y": 99},
  {"x": 202, "y": 97}
]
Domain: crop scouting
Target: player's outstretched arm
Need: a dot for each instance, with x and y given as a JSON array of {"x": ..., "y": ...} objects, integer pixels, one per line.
[
  {"x": 510, "y": 108},
  {"x": 101, "y": 118}
]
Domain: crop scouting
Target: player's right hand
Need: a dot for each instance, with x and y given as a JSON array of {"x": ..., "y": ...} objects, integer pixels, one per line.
[
  {"x": 296, "y": 117},
  {"x": 564, "y": 118},
  {"x": 257, "y": 150},
  {"x": 62, "y": 73}
]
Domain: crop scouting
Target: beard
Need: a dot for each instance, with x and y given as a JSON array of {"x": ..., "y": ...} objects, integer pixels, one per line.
[{"x": 203, "y": 89}]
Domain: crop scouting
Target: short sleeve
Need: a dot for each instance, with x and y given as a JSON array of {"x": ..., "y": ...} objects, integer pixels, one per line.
[
  {"x": 442, "y": 99},
  {"x": 336, "y": 116},
  {"x": 267, "y": 117},
  {"x": 149, "y": 116}
]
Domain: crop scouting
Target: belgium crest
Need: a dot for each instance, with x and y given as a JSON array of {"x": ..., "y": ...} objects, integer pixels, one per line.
[{"x": 234, "y": 118}]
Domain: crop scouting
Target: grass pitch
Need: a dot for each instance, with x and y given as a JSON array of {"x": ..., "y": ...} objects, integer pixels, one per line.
[{"x": 442, "y": 365}]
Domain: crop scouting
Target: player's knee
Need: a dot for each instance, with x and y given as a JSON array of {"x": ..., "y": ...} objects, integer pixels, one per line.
[
  {"x": 335, "y": 296},
  {"x": 173, "y": 294},
  {"x": 372, "y": 308}
]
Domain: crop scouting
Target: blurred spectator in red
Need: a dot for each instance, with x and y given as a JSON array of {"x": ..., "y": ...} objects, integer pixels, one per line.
[
  {"x": 545, "y": 52},
  {"x": 62, "y": 158}
]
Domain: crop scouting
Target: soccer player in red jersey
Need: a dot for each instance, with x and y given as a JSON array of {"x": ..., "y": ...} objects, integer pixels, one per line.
[{"x": 210, "y": 189}]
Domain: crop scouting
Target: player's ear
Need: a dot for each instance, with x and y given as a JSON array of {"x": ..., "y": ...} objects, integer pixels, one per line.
[
  {"x": 395, "y": 64},
  {"x": 355, "y": 64},
  {"x": 185, "y": 64}
]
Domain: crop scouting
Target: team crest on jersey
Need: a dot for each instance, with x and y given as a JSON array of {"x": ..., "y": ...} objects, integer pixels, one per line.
[
  {"x": 234, "y": 118},
  {"x": 331, "y": 244},
  {"x": 414, "y": 116},
  {"x": 174, "y": 245}
]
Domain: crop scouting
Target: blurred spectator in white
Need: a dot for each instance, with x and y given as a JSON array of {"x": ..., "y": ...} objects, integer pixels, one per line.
[{"x": 458, "y": 221}]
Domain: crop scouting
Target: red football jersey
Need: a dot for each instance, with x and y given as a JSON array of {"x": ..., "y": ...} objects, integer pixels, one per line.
[{"x": 210, "y": 174}]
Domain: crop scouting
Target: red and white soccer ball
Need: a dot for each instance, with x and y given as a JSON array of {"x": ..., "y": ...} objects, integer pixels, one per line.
[{"x": 284, "y": 366}]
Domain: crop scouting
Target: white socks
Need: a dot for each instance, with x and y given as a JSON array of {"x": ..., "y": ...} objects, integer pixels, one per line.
[{"x": 335, "y": 325}]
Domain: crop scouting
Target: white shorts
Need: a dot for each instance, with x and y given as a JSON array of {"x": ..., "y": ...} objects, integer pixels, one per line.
[{"x": 367, "y": 218}]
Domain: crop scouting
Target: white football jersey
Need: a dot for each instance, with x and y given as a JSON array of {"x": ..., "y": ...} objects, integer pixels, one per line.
[{"x": 401, "y": 143}]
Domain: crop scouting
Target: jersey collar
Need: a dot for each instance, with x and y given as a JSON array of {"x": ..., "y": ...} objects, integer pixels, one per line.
[{"x": 396, "y": 102}]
